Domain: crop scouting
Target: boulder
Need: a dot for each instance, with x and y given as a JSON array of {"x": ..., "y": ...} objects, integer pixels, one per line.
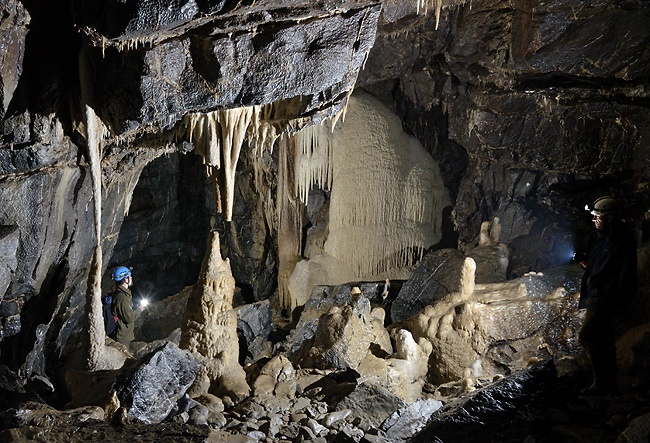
[
  {"x": 345, "y": 335},
  {"x": 408, "y": 421},
  {"x": 503, "y": 408},
  {"x": 637, "y": 430},
  {"x": 153, "y": 389},
  {"x": 255, "y": 323},
  {"x": 372, "y": 404},
  {"x": 276, "y": 377},
  {"x": 320, "y": 301},
  {"x": 438, "y": 274}
]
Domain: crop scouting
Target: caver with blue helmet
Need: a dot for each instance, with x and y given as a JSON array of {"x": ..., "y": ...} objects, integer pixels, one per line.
[
  {"x": 608, "y": 284},
  {"x": 121, "y": 273},
  {"x": 122, "y": 305}
]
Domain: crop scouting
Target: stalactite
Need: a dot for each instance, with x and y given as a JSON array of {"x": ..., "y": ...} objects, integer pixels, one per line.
[
  {"x": 313, "y": 162},
  {"x": 289, "y": 220},
  {"x": 219, "y": 135},
  {"x": 423, "y": 6}
]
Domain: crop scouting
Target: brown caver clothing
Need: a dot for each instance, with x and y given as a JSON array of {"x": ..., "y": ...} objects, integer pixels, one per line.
[{"x": 122, "y": 308}]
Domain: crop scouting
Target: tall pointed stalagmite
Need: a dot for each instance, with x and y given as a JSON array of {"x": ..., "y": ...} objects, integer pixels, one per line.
[{"x": 209, "y": 328}]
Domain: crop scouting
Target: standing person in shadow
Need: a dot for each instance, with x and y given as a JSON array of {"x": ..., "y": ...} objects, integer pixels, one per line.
[{"x": 608, "y": 284}]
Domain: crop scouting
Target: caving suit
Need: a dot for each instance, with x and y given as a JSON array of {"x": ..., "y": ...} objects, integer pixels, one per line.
[
  {"x": 607, "y": 286},
  {"x": 122, "y": 308}
]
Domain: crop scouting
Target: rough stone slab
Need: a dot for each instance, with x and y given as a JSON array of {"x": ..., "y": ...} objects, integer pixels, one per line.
[
  {"x": 638, "y": 430},
  {"x": 435, "y": 276},
  {"x": 406, "y": 422},
  {"x": 14, "y": 22},
  {"x": 155, "y": 387},
  {"x": 208, "y": 68},
  {"x": 372, "y": 404},
  {"x": 503, "y": 408},
  {"x": 255, "y": 320},
  {"x": 9, "y": 239}
]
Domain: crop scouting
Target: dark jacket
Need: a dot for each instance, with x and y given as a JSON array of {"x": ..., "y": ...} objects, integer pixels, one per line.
[
  {"x": 610, "y": 279},
  {"x": 123, "y": 309}
]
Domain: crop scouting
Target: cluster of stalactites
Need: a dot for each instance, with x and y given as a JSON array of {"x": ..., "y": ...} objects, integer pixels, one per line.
[
  {"x": 219, "y": 136},
  {"x": 423, "y": 6},
  {"x": 313, "y": 161}
]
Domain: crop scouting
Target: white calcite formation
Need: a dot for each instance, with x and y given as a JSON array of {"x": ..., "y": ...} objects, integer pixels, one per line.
[
  {"x": 353, "y": 336},
  {"x": 466, "y": 328},
  {"x": 209, "y": 329},
  {"x": 387, "y": 197},
  {"x": 404, "y": 373}
]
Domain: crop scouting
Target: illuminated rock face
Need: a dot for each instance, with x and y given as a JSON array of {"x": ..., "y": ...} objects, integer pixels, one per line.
[
  {"x": 352, "y": 336},
  {"x": 210, "y": 329}
]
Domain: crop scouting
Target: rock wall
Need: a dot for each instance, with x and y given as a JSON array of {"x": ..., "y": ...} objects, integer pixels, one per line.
[
  {"x": 531, "y": 108},
  {"x": 149, "y": 67}
]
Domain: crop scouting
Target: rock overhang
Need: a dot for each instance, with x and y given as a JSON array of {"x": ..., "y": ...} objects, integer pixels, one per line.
[{"x": 155, "y": 72}]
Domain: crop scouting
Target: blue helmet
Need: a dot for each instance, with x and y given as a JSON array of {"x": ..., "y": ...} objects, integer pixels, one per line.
[{"x": 121, "y": 273}]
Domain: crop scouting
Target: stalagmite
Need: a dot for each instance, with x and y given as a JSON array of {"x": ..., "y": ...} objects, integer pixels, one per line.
[
  {"x": 467, "y": 277},
  {"x": 484, "y": 234},
  {"x": 209, "y": 329},
  {"x": 495, "y": 231}
]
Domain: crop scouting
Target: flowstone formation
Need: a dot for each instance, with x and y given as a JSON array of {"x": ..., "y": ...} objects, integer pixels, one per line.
[
  {"x": 209, "y": 329},
  {"x": 386, "y": 199},
  {"x": 484, "y": 330}
]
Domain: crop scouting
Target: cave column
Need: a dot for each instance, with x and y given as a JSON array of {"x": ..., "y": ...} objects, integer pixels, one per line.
[{"x": 94, "y": 335}]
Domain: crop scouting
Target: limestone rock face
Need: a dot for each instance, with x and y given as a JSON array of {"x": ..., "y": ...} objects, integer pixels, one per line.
[
  {"x": 210, "y": 329},
  {"x": 504, "y": 407},
  {"x": 517, "y": 105},
  {"x": 341, "y": 340},
  {"x": 498, "y": 325},
  {"x": 220, "y": 61},
  {"x": 13, "y": 30}
]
